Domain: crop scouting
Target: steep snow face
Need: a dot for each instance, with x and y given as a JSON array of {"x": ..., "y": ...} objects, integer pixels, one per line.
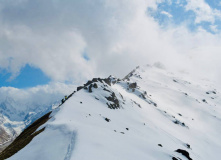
[{"x": 151, "y": 114}]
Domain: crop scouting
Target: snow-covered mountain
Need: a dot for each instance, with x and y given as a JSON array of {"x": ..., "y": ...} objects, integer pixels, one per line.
[
  {"x": 151, "y": 114},
  {"x": 15, "y": 116},
  {"x": 20, "y": 107}
]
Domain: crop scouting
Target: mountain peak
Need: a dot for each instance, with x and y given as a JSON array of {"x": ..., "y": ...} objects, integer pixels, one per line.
[{"x": 150, "y": 114}]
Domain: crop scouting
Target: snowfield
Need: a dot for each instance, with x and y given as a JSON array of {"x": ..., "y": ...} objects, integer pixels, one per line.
[{"x": 149, "y": 115}]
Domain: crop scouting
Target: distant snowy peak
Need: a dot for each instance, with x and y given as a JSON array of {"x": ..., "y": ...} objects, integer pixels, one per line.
[
  {"x": 18, "y": 109},
  {"x": 15, "y": 116},
  {"x": 150, "y": 114}
]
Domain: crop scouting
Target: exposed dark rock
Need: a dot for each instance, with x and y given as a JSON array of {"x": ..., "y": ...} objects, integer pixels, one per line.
[
  {"x": 62, "y": 101},
  {"x": 88, "y": 83},
  {"x": 79, "y": 88},
  {"x": 108, "y": 81},
  {"x": 96, "y": 98},
  {"x": 138, "y": 76},
  {"x": 127, "y": 77},
  {"x": 95, "y": 79},
  {"x": 160, "y": 145},
  {"x": 100, "y": 80},
  {"x": 115, "y": 101},
  {"x": 174, "y": 80},
  {"x": 127, "y": 128},
  {"x": 80, "y": 102},
  {"x": 211, "y": 92},
  {"x": 137, "y": 104},
  {"x": 106, "y": 90},
  {"x": 85, "y": 88},
  {"x": 66, "y": 98},
  {"x": 107, "y": 119},
  {"x": 121, "y": 96},
  {"x": 90, "y": 88},
  {"x": 133, "y": 85},
  {"x": 95, "y": 85},
  {"x": 179, "y": 114},
  {"x": 204, "y": 101},
  {"x": 188, "y": 146},
  {"x": 174, "y": 158},
  {"x": 70, "y": 95},
  {"x": 143, "y": 96},
  {"x": 180, "y": 123},
  {"x": 114, "y": 82},
  {"x": 184, "y": 153},
  {"x": 122, "y": 132}
]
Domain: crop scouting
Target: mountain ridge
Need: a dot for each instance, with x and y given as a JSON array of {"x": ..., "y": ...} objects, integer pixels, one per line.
[{"x": 150, "y": 114}]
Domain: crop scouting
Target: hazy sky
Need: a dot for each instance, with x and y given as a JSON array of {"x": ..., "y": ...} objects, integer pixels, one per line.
[{"x": 74, "y": 40}]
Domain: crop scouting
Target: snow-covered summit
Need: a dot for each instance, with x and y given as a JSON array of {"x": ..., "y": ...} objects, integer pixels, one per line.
[{"x": 150, "y": 114}]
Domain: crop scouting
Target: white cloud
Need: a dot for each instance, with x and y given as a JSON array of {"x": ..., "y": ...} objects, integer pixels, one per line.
[
  {"x": 46, "y": 93},
  {"x": 214, "y": 28},
  {"x": 116, "y": 34},
  {"x": 19, "y": 102},
  {"x": 203, "y": 11},
  {"x": 41, "y": 96},
  {"x": 167, "y": 14}
]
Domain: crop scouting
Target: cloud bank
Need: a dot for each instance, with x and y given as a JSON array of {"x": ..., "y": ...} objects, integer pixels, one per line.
[
  {"x": 115, "y": 35},
  {"x": 25, "y": 100}
]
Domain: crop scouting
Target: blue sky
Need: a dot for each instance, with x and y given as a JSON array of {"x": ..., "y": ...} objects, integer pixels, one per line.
[
  {"x": 176, "y": 13},
  {"x": 29, "y": 77},
  {"x": 73, "y": 41}
]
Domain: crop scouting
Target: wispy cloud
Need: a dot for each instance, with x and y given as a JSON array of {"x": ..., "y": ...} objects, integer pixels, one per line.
[
  {"x": 204, "y": 12},
  {"x": 167, "y": 14},
  {"x": 214, "y": 28},
  {"x": 26, "y": 100}
]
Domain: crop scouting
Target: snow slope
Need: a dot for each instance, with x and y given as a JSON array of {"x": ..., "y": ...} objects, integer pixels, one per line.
[
  {"x": 150, "y": 114},
  {"x": 20, "y": 107}
]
